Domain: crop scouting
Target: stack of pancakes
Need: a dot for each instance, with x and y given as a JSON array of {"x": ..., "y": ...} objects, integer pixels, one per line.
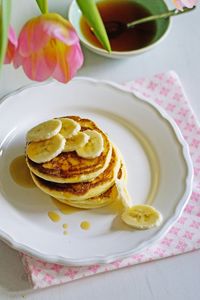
[{"x": 81, "y": 182}]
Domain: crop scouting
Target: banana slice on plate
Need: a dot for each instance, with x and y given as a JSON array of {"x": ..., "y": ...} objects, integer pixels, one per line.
[
  {"x": 77, "y": 141},
  {"x": 44, "y": 151},
  {"x": 142, "y": 216},
  {"x": 122, "y": 193},
  {"x": 94, "y": 146},
  {"x": 44, "y": 131},
  {"x": 69, "y": 127}
]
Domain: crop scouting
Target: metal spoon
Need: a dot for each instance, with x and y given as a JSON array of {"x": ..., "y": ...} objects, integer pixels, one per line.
[{"x": 115, "y": 28}]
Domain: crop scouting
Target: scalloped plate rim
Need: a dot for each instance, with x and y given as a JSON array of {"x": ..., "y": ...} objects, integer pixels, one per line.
[{"x": 110, "y": 258}]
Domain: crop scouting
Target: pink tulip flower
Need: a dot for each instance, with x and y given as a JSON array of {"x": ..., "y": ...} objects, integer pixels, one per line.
[
  {"x": 180, "y": 4},
  {"x": 48, "y": 46},
  {"x": 11, "y": 46}
]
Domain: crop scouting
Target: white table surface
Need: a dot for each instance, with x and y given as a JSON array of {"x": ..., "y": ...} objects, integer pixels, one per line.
[{"x": 172, "y": 278}]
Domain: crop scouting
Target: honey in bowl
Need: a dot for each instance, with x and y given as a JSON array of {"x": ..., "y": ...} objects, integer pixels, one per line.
[{"x": 123, "y": 11}]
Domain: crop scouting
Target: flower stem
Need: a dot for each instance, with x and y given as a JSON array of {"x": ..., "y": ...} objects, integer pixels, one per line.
[
  {"x": 43, "y": 6},
  {"x": 5, "y": 12}
]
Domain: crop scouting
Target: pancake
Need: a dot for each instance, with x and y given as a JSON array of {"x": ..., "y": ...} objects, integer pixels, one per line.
[
  {"x": 68, "y": 167},
  {"x": 82, "y": 190},
  {"x": 102, "y": 200}
]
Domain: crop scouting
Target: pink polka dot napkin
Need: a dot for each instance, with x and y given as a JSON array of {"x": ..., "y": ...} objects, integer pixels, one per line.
[{"x": 167, "y": 91}]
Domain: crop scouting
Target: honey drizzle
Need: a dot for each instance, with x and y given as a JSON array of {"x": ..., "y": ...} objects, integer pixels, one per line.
[
  {"x": 54, "y": 216},
  {"x": 20, "y": 172},
  {"x": 64, "y": 208},
  {"x": 85, "y": 225}
]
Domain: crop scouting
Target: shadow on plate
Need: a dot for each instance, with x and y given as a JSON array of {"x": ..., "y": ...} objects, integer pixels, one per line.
[{"x": 119, "y": 225}]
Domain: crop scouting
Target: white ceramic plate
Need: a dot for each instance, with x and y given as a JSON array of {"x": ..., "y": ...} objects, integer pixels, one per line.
[{"x": 157, "y": 159}]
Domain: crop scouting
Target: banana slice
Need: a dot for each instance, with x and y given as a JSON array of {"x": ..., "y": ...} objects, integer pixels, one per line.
[
  {"x": 44, "y": 151},
  {"x": 94, "y": 147},
  {"x": 44, "y": 131},
  {"x": 142, "y": 216},
  {"x": 122, "y": 193},
  {"x": 77, "y": 141},
  {"x": 69, "y": 127}
]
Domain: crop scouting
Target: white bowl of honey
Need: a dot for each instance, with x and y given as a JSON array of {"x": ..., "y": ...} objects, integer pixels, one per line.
[{"x": 133, "y": 41}]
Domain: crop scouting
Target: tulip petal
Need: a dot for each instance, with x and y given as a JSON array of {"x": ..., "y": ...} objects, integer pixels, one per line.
[
  {"x": 37, "y": 32},
  {"x": 32, "y": 37},
  {"x": 189, "y": 3},
  {"x": 11, "y": 46},
  {"x": 9, "y": 53},
  {"x": 69, "y": 60},
  {"x": 180, "y": 4},
  {"x": 59, "y": 28},
  {"x": 50, "y": 55},
  {"x": 35, "y": 68},
  {"x": 12, "y": 36},
  {"x": 39, "y": 66},
  {"x": 49, "y": 47},
  {"x": 61, "y": 71},
  {"x": 17, "y": 60},
  {"x": 75, "y": 59}
]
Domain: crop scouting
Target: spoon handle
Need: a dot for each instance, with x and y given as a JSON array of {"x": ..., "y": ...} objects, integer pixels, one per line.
[{"x": 167, "y": 14}]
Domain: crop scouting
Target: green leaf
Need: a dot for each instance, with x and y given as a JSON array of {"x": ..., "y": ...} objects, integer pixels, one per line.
[
  {"x": 5, "y": 10},
  {"x": 92, "y": 15},
  {"x": 43, "y": 6}
]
